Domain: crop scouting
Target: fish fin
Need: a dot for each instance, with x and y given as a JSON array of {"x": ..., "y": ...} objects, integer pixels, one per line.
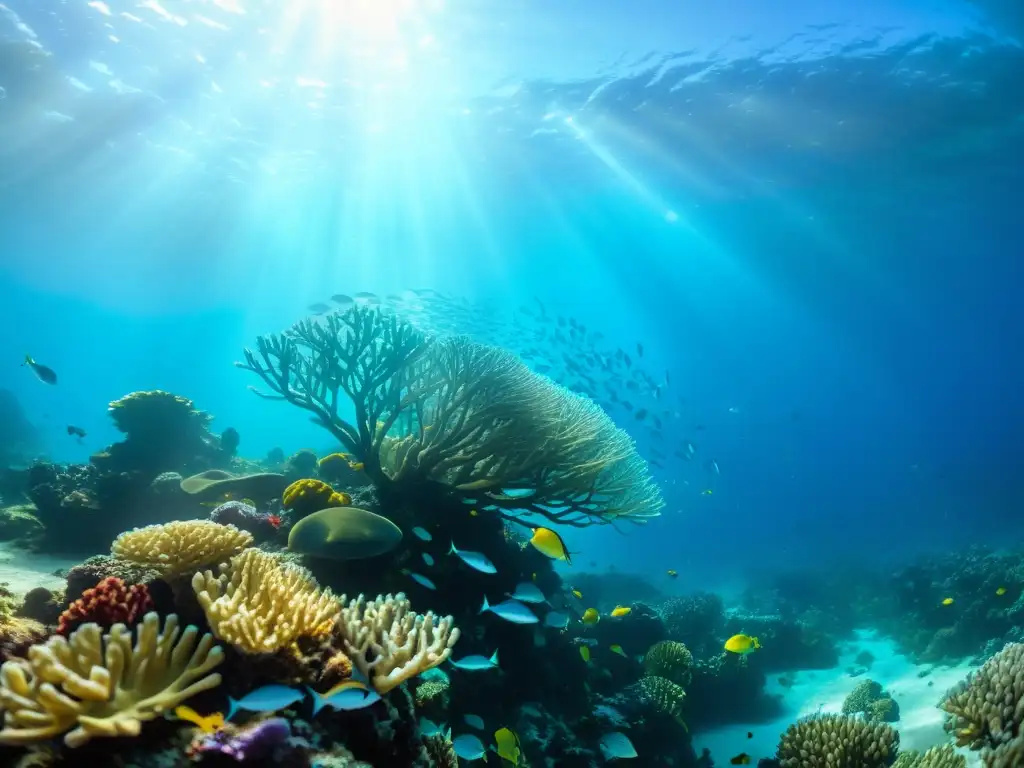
[
  {"x": 494, "y": 658},
  {"x": 485, "y": 607},
  {"x": 757, "y": 643},
  {"x": 318, "y": 701},
  {"x": 232, "y": 709},
  {"x": 28, "y": 361},
  {"x": 453, "y": 550},
  {"x": 359, "y": 677}
]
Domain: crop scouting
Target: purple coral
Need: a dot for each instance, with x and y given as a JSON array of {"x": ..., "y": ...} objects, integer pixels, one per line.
[{"x": 253, "y": 741}]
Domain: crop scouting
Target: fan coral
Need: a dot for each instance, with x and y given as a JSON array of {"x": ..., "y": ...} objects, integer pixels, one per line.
[
  {"x": 310, "y": 495},
  {"x": 936, "y": 757},
  {"x": 664, "y": 695},
  {"x": 671, "y": 660},
  {"x": 261, "y": 604},
  {"x": 100, "y": 684},
  {"x": 390, "y": 644},
  {"x": 109, "y": 602},
  {"x": 986, "y": 709},
  {"x": 180, "y": 547},
  {"x": 837, "y": 741},
  {"x": 460, "y": 414}
]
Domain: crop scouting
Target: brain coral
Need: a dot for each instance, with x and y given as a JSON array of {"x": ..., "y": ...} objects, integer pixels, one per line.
[
  {"x": 311, "y": 495},
  {"x": 180, "y": 547},
  {"x": 986, "y": 709},
  {"x": 837, "y": 741}
]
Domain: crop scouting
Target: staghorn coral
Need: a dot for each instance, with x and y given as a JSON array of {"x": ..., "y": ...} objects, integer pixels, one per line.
[
  {"x": 664, "y": 695},
  {"x": 93, "y": 684},
  {"x": 837, "y": 741},
  {"x": 180, "y": 547},
  {"x": 986, "y": 709},
  {"x": 311, "y": 495},
  {"x": 261, "y": 604},
  {"x": 671, "y": 660},
  {"x": 390, "y": 644},
  {"x": 109, "y": 602},
  {"x": 460, "y": 414},
  {"x": 936, "y": 757}
]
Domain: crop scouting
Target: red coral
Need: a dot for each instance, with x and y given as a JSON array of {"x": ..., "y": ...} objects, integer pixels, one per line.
[{"x": 109, "y": 602}]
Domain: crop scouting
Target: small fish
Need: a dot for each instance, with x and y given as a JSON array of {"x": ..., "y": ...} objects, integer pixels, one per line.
[
  {"x": 639, "y": 349},
  {"x": 475, "y": 560},
  {"x": 473, "y": 513},
  {"x": 707, "y": 492},
  {"x": 591, "y": 617},
  {"x": 750, "y": 734},
  {"x": 347, "y": 699},
  {"x": 507, "y": 745},
  {"x": 510, "y": 610},
  {"x": 430, "y": 728},
  {"x": 427, "y": 558},
  {"x": 672, "y": 574},
  {"x": 206, "y": 723},
  {"x": 585, "y": 653},
  {"x": 468, "y": 747},
  {"x": 616, "y": 746},
  {"x": 741, "y": 759},
  {"x": 423, "y": 581},
  {"x": 528, "y": 593},
  {"x": 742, "y": 644},
  {"x": 274, "y": 520},
  {"x": 577, "y": 594},
  {"x": 422, "y": 534},
  {"x": 342, "y": 299},
  {"x": 534, "y": 576},
  {"x": 714, "y": 467},
  {"x": 1001, "y": 591},
  {"x": 948, "y": 601},
  {"x": 616, "y": 648},
  {"x": 356, "y": 466},
  {"x": 269, "y": 698},
  {"x": 44, "y": 374},
  {"x": 556, "y": 620},
  {"x": 76, "y": 431},
  {"x": 476, "y": 663},
  {"x": 318, "y": 307},
  {"x": 621, "y": 610},
  {"x": 474, "y": 721},
  {"x": 549, "y": 543}
]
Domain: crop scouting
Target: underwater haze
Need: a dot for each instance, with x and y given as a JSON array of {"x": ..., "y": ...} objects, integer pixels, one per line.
[{"x": 779, "y": 244}]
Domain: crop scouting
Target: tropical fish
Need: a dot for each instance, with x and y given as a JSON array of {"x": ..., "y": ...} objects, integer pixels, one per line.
[
  {"x": 430, "y": 728},
  {"x": 269, "y": 698},
  {"x": 421, "y": 534},
  {"x": 476, "y": 663},
  {"x": 1001, "y": 591},
  {"x": 556, "y": 620},
  {"x": 468, "y": 747},
  {"x": 528, "y": 593},
  {"x": 428, "y": 559},
  {"x": 474, "y": 721},
  {"x": 577, "y": 594},
  {"x": 473, "y": 513},
  {"x": 671, "y": 573},
  {"x": 342, "y": 299},
  {"x": 591, "y": 617},
  {"x": 508, "y": 745},
  {"x": 750, "y": 734},
  {"x": 621, "y": 610},
  {"x": 44, "y": 374},
  {"x": 206, "y": 723},
  {"x": 423, "y": 581},
  {"x": 742, "y": 644},
  {"x": 274, "y": 520},
  {"x": 585, "y": 652},
  {"x": 76, "y": 431},
  {"x": 346, "y": 699},
  {"x": 510, "y": 610},
  {"x": 549, "y": 543},
  {"x": 616, "y": 648},
  {"x": 475, "y": 560},
  {"x": 707, "y": 492},
  {"x": 948, "y": 601},
  {"x": 741, "y": 759},
  {"x": 318, "y": 307},
  {"x": 616, "y": 746}
]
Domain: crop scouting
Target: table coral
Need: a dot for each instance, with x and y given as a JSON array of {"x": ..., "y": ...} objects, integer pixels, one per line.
[
  {"x": 182, "y": 546},
  {"x": 95, "y": 684},
  {"x": 109, "y": 602}
]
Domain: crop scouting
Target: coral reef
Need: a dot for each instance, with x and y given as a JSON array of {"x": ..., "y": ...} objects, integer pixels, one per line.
[
  {"x": 936, "y": 757},
  {"x": 837, "y": 741},
  {"x": 311, "y": 495},
  {"x": 869, "y": 699},
  {"x": 986, "y": 710},
  {"x": 180, "y": 547},
  {"x": 108, "y": 603}
]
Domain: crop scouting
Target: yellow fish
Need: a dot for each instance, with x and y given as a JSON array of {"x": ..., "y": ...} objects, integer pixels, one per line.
[
  {"x": 428, "y": 427},
  {"x": 585, "y": 653},
  {"x": 591, "y": 617},
  {"x": 742, "y": 644},
  {"x": 549, "y": 543},
  {"x": 1001, "y": 591},
  {"x": 507, "y": 745},
  {"x": 617, "y": 649},
  {"x": 207, "y": 724},
  {"x": 948, "y": 601},
  {"x": 534, "y": 576},
  {"x": 473, "y": 513},
  {"x": 621, "y": 610},
  {"x": 356, "y": 466},
  {"x": 672, "y": 573},
  {"x": 577, "y": 594}
]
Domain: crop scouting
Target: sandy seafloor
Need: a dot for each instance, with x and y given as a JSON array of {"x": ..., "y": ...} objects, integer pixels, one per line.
[
  {"x": 919, "y": 726},
  {"x": 23, "y": 570}
]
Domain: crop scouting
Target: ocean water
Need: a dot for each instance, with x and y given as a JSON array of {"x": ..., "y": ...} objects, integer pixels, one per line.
[{"x": 807, "y": 213}]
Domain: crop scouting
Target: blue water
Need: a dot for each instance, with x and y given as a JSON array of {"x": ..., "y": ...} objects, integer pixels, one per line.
[{"x": 809, "y": 215}]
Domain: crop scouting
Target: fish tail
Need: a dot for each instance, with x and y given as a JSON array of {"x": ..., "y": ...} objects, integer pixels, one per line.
[
  {"x": 453, "y": 550},
  {"x": 485, "y": 607},
  {"x": 318, "y": 701},
  {"x": 494, "y": 658},
  {"x": 28, "y": 360},
  {"x": 757, "y": 643},
  {"x": 232, "y": 709}
]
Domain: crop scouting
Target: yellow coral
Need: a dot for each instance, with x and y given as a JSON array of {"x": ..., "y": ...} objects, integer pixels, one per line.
[
  {"x": 182, "y": 546},
  {"x": 311, "y": 495},
  {"x": 401, "y": 643},
  {"x": 261, "y": 604},
  {"x": 100, "y": 684}
]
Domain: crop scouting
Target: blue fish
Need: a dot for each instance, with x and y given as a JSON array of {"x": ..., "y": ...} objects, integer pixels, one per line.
[
  {"x": 428, "y": 559},
  {"x": 430, "y": 728},
  {"x": 269, "y": 698},
  {"x": 510, "y": 610},
  {"x": 556, "y": 620},
  {"x": 422, "y": 534},
  {"x": 476, "y": 663},
  {"x": 346, "y": 699},
  {"x": 423, "y": 581},
  {"x": 474, "y": 560},
  {"x": 616, "y": 746},
  {"x": 474, "y": 721},
  {"x": 468, "y": 747},
  {"x": 528, "y": 593}
]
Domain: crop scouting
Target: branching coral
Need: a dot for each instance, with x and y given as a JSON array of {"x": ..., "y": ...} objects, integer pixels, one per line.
[
  {"x": 93, "y": 684},
  {"x": 469, "y": 417},
  {"x": 987, "y": 709},
  {"x": 390, "y": 644},
  {"x": 671, "y": 660},
  {"x": 182, "y": 546},
  {"x": 837, "y": 741},
  {"x": 261, "y": 604},
  {"x": 109, "y": 602}
]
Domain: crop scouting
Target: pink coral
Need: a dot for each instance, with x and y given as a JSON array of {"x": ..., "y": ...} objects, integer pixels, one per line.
[{"x": 109, "y": 602}]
